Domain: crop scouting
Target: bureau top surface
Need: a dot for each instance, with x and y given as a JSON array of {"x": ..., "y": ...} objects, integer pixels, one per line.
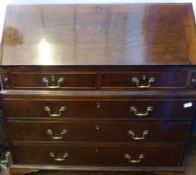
[{"x": 129, "y": 34}]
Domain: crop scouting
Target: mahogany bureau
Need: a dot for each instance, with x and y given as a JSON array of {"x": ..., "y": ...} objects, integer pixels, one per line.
[{"x": 98, "y": 87}]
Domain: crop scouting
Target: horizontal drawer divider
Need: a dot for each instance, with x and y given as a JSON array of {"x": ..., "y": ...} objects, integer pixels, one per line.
[
  {"x": 101, "y": 94},
  {"x": 96, "y": 143},
  {"x": 100, "y": 168},
  {"x": 95, "y": 119}
]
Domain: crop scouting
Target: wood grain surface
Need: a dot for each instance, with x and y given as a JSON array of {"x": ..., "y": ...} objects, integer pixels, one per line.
[{"x": 137, "y": 34}]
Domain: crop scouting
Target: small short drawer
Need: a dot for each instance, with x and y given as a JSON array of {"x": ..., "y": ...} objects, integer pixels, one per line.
[
  {"x": 50, "y": 80},
  {"x": 98, "y": 131},
  {"x": 143, "y": 80},
  {"x": 107, "y": 109},
  {"x": 99, "y": 154}
]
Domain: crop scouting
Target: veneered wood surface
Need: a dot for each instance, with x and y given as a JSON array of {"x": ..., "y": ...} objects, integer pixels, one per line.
[
  {"x": 99, "y": 154},
  {"x": 131, "y": 34},
  {"x": 93, "y": 109},
  {"x": 98, "y": 131}
]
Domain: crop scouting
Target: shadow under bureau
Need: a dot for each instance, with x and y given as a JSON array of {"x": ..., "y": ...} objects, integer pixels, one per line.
[{"x": 98, "y": 87}]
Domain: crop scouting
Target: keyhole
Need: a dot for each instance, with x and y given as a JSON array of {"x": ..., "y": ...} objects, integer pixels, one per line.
[
  {"x": 52, "y": 78},
  {"x": 144, "y": 77},
  {"x": 98, "y": 105},
  {"x": 97, "y": 127}
]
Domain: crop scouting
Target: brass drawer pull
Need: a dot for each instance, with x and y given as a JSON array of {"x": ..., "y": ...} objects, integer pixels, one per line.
[
  {"x": 56, "y": 136},
  {"x": 7, "y": 162},
  {"x": 59, "y": 114},
  {"x": 132, "y": 134},
  {"x": 137, "y": 82},
  {"x": 128, "y": 157},
  {"x": 136, "y": 113},
  {"x": 59, "y": 159},
  {"x": 60, "y": 81}
]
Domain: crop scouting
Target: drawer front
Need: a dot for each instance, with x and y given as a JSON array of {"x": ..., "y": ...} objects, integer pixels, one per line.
[
  {"x": 98, "y": 131},
  {"x": 103, "y": 155},
  {"x": 32, "y": 80},
  {"x": 132, "y": 109},
  {"x": 143, "y": 80}
]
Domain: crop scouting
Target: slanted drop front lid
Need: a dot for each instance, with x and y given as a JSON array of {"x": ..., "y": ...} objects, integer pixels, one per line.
[{"x": 130, "y": 34}]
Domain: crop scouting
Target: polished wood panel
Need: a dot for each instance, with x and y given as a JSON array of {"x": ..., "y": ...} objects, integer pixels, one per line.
[
  {"x": 120, "y": 109},
  {"x": 98, "y": 131},
  {"x": 135, "y": 34},
  {"x": 96, "y": 154}
]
